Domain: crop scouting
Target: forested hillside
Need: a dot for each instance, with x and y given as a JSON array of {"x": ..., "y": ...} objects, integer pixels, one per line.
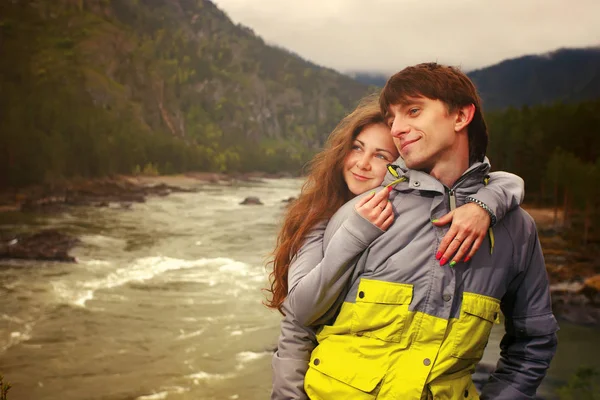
[
  {"x": 96, "y": 87},
  {"x": 556, "y": 149}
]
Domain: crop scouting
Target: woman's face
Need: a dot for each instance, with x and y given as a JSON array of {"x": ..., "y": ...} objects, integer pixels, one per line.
[{"x": 366, "y": 164}]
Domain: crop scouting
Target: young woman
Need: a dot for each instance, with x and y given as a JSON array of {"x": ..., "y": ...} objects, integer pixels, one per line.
[{"x": 354, "y": 161}]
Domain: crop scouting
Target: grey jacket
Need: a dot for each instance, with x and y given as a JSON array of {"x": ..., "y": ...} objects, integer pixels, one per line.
[{"x": 320, "y": 280}]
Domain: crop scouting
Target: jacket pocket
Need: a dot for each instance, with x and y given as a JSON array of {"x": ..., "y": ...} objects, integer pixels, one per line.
[
  {"x": 339, "y": 370},
  {"x": 449, "y": 388},
  {"x": 381, "y": 309},
  {"x": 477, "y": 315}
]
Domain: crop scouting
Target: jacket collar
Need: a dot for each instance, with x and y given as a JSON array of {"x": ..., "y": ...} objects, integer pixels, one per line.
[{"x": 469, "y": 181}]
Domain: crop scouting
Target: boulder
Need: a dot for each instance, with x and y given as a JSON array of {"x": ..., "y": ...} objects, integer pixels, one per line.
[
  {"x": 251, "y": 201},
  {"x": 48, "y": 245}
]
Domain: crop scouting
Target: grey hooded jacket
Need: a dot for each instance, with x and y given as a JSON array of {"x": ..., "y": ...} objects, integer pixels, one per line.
[{"x": 317, "y": 288}]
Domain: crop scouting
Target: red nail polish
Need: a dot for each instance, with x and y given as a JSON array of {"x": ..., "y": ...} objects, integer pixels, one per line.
[
  {"x": 467, "y": 259},
  {"x": 438, "y": 255},
  {"x": 389, "y": 188},
  {"x": 443, "y": 261}
]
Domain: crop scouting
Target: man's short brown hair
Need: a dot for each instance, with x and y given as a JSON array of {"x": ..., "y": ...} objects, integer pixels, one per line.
[{"x": 444, "y": 83}]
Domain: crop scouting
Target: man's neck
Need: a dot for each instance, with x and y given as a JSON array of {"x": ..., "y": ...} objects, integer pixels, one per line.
[{"x": 447, "y": 170}]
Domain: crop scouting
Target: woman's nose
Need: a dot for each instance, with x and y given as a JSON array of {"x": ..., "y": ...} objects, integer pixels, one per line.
[{"x": 363, "y": 162}]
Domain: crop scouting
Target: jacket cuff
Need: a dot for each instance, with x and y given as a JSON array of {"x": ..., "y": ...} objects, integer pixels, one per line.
[
  {"x": 496, "y": 389},
  {"x": 362, "y": 229},
  {"x": 288, "y": 378},
  {"x": 493, "y": 219}
]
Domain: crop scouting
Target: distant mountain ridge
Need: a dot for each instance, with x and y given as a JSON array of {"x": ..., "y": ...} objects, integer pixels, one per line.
[{"x": 564, "y": 75}]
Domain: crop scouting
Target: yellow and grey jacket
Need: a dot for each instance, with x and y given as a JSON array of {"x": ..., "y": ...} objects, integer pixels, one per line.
[{"x": 397, "y": 304}]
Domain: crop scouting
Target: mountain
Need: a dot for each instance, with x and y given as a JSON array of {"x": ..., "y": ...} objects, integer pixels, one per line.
[
  {"x": 370, "y": 78},
  {"x": 565, "y": 75},
  {"x": 97, "y": 87}
]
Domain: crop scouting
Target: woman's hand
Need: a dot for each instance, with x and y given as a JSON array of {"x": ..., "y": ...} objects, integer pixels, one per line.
[
  {"x": 470, "y": 224},
  {"x": 376, "y": 208}
]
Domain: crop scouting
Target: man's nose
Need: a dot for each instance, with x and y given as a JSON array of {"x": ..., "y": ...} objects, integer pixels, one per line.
[{"x": 399, "y": 127}]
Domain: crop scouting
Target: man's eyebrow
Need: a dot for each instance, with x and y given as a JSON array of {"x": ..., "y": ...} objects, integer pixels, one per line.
[{"x": 409, "y": 101}]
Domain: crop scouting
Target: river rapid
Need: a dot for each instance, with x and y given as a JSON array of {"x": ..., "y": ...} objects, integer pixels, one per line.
[{"x": 165, "y": 302}]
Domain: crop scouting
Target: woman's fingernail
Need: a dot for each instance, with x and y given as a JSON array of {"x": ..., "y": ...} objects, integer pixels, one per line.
[
  {"x": 389, "y": 188},
  {"x": 372, "y": 193},
  {"x": 434, "y": 220},
  {"x": 443, "y": 261},
  {"x": 438, "y": 255},
  {"x": 452, "y": 264},
  {"x": 467, "y": 259}
]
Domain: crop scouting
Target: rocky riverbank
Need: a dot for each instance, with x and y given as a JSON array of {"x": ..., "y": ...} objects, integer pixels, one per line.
[
  {"x": 574, "y": 272},
  {"x": 119, "y": 190}
]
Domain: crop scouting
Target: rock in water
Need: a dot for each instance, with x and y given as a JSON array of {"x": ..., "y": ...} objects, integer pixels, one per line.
[
  {"x": 48, "y": 245},
  {"x": 251, "y": 201}
]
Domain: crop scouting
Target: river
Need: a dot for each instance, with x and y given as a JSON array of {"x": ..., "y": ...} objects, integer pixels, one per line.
[{"x": 165, "y": 303}]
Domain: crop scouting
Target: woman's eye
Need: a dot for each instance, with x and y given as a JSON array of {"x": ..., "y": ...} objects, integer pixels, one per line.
[
  {"x": 355, "y": 147},
  {"x": 381, "y": 156}
]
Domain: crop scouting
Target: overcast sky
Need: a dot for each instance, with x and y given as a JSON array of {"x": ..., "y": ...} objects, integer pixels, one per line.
[{"x": 387, "y": 35}]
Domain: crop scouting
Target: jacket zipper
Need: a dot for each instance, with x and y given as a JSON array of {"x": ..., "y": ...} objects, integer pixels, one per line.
[{"x": 452, "y": 199}]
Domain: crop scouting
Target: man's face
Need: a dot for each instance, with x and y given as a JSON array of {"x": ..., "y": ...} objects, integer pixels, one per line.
[{"x": 423, "y": 131}]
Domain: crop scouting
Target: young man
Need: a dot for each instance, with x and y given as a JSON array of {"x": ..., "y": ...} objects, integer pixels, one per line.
[{"x": 407, "y": 327}]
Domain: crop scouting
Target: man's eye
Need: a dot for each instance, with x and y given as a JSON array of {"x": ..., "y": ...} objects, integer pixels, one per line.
[{"x": 413, "y": 111}]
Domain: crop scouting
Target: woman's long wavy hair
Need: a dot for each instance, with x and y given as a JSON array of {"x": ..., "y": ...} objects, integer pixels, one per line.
[{"x": 323, "y": 193}]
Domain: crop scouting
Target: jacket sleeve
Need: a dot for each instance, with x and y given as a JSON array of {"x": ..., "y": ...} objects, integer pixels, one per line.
[
  {"x": 316, "y": 292},
  {"x": 503, "y": 193},
  {"x": 290, "y": 360},
  {"x": 309, "y": 255},
  {"x": 530, "y": 340}
]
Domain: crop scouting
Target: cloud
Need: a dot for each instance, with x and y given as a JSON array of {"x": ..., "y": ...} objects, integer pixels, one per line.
[{"x": 386, "y": 35}]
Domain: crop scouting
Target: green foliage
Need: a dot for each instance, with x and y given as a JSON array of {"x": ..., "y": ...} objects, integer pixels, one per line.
[
  {"x": 150, "y": 170},
  {"x": 4, "y": 388},
  {"x": 107, "y": 87},
  {"x": 556, "y": 149},
  {"x": 583, "y": 385}
]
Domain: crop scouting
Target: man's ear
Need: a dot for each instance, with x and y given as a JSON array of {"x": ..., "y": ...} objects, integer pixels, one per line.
[{"x": 464, "y": 116}]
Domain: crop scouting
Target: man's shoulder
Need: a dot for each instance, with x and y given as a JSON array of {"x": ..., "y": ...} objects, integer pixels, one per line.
[{"x": 519, "y": 222}]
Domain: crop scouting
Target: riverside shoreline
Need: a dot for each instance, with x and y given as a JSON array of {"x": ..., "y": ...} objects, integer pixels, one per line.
[{"x": 121, "y": 189}]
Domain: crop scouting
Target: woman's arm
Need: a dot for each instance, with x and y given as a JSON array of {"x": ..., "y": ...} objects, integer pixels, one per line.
[
  {"x": 312, "y": 296},
  {"x": 368, "y": 218},
  {"x": 503, "y": 193}
]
